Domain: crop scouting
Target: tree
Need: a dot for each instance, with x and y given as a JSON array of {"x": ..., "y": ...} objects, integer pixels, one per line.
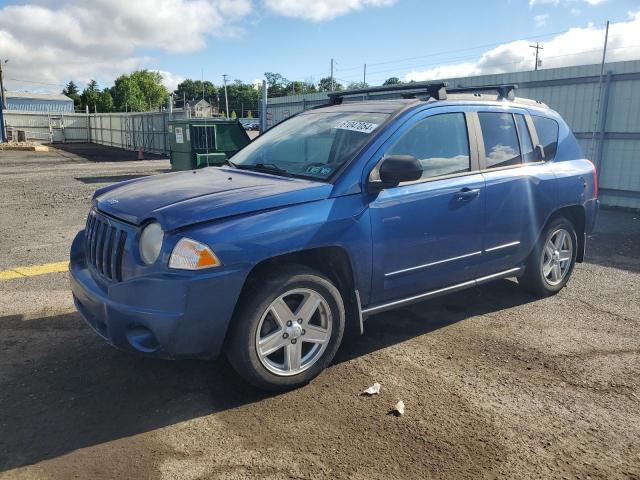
[
  {"x": 90, "y": 96},
  {"x": 234, "y": 115},
  {"x": 356, "y": 85},
  {"x": 391, "y": 81},
  {"x": 105, "y": 101},
  {"x": 297, "y": 88},
  {"x": 71, "y": 90},
  {"x": 192, "y": 90},
  {"x": 140, "y": 91},
  {"x": 276, "y": 84},
  {"x": 324, "y": 85}
]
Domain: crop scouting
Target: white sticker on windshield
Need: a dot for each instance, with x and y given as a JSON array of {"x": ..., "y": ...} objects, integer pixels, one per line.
[{"x": 357, "y": 126}]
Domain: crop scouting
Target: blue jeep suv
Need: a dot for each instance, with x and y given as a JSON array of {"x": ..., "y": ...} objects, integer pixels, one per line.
[{"x": 333, "y": 215}]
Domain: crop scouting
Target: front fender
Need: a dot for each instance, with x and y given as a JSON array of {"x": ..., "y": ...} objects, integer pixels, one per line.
[{"x": 244, "y": 241}]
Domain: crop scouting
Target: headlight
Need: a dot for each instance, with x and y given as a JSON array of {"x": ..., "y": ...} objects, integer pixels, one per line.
[
  {"x": 191, "y": 255},
  {"x": 151, "y": 242}
]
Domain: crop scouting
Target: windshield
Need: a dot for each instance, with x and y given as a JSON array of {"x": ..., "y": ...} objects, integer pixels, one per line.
[{"x": 311, "y": 145}]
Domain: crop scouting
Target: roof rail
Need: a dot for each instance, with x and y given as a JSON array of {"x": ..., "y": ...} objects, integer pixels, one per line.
[
  {"x": 433, "y": 90},
  {"x": 505, "y": 91}
]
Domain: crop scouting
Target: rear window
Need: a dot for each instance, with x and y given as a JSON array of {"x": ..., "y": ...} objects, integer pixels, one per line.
[{"x": 547, "y": 130}]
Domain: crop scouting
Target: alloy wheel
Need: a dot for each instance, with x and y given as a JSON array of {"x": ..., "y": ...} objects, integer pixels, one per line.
[
  {"x": 294, "y": 332},
  {"x": 557, "y": 256}
]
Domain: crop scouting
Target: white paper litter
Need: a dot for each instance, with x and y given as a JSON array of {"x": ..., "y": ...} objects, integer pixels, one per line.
[
  {"x": 372, "y": 390},
  {"x": 399, "y": 408}
]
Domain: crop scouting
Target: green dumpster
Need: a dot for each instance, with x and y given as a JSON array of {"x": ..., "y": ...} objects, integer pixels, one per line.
[{"x": 202, "y": 142}]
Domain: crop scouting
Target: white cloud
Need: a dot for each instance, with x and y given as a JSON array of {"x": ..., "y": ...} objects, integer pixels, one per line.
[
  {"x": 51, "y": 42},
  {"x": 321, "y": 10},
  {"x": 541, "y": 20},
  {"x": 575, "y": 11},
  {"x": 170, "y": 80},
  {"x": 555, "y": 3},
  {"x": 578, "y": 46}
]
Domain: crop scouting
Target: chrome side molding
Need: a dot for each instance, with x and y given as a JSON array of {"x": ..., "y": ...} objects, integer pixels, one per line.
[
  {"x": 441, "y": 291},
  {"x": 500, "y": 247},
  {"x": 426, "y": 265}
]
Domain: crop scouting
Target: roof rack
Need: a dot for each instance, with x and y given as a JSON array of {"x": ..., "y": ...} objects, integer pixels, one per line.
[
  {"x": 505, "y": 91},
  {"x": 433, "y": 90},
  {"x": 437, "y": 91}
]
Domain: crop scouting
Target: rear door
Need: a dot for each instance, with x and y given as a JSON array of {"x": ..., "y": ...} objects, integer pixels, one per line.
[
  {"x": 519, "y": 187},
  {"x": 427, "y": 234}
]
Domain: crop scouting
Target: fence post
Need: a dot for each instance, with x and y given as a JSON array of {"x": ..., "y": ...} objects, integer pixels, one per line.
[
  {"x": 88, "y": 124},
  {"x": 3, "y": 137},
  {"x": 263, "y": 113}
]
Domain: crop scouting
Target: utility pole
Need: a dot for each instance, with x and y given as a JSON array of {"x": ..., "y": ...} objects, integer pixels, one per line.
[
  {"x": 538, "y": 47},
  {"x": 3, "y": 104},
  {"x": 364, "y": 77},
  {"x": 226, "y": 99},
  {"x": 332, "y": 74}
]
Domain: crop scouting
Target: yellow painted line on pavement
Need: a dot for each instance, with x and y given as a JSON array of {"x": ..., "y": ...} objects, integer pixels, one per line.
[{"x": 33, "y": 270}]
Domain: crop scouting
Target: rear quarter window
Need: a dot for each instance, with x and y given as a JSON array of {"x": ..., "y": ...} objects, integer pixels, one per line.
[{"x": 547, "y": 130}]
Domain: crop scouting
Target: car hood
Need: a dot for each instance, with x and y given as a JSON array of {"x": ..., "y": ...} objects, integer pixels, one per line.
[{"x": 185, "y": 198}]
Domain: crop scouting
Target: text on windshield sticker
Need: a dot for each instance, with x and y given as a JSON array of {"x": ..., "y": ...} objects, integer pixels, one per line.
[{"x": 357, "y": 126}]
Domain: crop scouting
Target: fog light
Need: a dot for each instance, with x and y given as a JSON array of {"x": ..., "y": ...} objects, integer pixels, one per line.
[{"x": 142, "y": 339}]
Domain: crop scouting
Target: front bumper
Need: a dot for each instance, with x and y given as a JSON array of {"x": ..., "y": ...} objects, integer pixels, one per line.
[{"x": 167, "y": 315}]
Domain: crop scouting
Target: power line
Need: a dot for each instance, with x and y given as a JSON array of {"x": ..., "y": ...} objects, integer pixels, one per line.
[
  {"x": 510, "y": 63},
  {"x": 446, "y": 52}
]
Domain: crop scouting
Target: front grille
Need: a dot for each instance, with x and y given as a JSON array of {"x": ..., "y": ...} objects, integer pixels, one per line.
[{"x": 104, "y": 246}]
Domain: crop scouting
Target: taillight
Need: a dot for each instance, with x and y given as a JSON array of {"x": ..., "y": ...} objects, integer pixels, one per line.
[{"x": 595, "y": 180}]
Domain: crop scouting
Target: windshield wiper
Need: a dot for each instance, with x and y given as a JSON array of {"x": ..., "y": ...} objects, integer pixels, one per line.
[
  {"x": 230, "y": 163},
  {"x": 267, "y": 168}
]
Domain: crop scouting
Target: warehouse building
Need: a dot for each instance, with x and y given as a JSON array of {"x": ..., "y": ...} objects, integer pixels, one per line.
[{"x": 39, "y": 102}]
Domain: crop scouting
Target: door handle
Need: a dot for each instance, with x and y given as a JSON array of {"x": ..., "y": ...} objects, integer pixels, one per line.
[{"x": 467, "y": 194}]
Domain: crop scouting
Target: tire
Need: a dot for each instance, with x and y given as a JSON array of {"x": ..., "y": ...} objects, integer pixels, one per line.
[
  {"x": 547, "y": 270},
  {"x": 271, "y": 318}
]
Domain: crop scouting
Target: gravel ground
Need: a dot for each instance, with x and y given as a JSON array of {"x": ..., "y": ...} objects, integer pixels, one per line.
[{"x": 496, "y": 383}]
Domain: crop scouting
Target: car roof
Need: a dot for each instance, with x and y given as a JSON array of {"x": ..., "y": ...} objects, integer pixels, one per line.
[
  {"x": 368, "y": 106},
  {"x": 396, "y": 106}
]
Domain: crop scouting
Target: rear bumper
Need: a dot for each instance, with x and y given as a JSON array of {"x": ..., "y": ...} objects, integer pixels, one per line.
[{"x": 168, "y": 315}]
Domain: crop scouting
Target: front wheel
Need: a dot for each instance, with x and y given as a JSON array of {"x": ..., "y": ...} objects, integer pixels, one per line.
[
  {"x": 551, "y": 262},
  {"x": 288, "y": 329}
]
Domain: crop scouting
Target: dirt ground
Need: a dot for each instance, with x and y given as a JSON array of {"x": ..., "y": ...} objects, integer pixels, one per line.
[{"x": 496, "y": 383}]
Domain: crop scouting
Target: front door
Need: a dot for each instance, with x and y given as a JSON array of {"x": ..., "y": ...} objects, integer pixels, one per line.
[{"x": 428, "y": 234}]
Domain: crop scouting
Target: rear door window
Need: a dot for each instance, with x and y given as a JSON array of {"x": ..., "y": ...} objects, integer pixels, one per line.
[
  {"x": 547, "y": 130},
  {"x": 501, "y": 146},
  {"x": 526, "y": 145}
]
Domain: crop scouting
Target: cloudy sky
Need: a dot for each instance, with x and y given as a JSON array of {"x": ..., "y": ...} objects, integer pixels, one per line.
[{"x": 51, "y": 42}]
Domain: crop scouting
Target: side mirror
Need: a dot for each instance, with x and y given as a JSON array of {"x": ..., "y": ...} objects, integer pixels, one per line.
[
  {"x": 539, "y": 150},
  {"x": 396, "y": 169}
]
